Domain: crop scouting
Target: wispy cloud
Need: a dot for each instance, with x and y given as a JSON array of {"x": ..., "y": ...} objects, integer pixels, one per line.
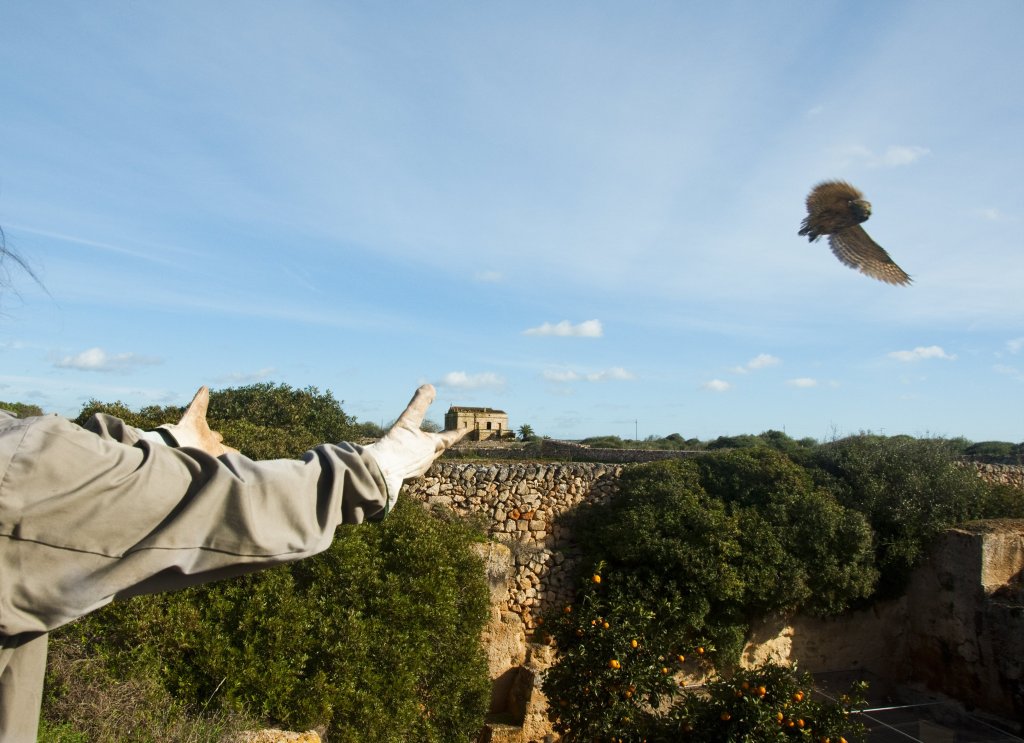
[
  {"x": 96, "y": 359},
  {"x": 921, "y": 353},
  {"x": 585, "y": 329},
  {"x": 487, "y": 277},
  {"x": 462, "y": 381},
  {"x": 761, "y": 361},
  {"x": 563, "y": 376},
  {"x": 1015, "y": 345},
  {"x": 1010, "y": 371},
  {"x": 717, "y": 385},
  {"x": 893, "y": 156},
  {"x": 990, "y": 213},
  {"x": 803, "y": 382},
  {"x": 247, "y": 377}
]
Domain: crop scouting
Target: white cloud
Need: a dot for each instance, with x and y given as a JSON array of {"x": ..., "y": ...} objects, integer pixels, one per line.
[
  {"x": 96, "y": 359},
  {"x": 815, "y": 110},
  {"x": 562, "y": 376},
  {"x": 586, "y": 329},
  {"x": 615, "y": 373},
  {"x": 247, "y": 377},
  {"x": 991, "y": 214},
  {"x": 902, "y": 155},
  {"x": 717, "y": 385},
  {"x": 463, "y": 381},
  {"x": 920, "y": 353},
  {"x": 761, "y": 361},
  {"x": 894, "y": 155},
  {"x": 1015, "y": 345},
  {"x": 803, "y": 382},
  {"x": 487, "y": 277},
  {"x": 1010, "y": 371}
]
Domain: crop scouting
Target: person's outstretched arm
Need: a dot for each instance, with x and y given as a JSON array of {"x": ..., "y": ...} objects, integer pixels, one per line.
[{"x": 85, "y": 518}]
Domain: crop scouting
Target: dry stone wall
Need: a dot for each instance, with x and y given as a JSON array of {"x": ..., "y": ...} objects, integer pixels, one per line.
[{"x": 521, "y": 503}]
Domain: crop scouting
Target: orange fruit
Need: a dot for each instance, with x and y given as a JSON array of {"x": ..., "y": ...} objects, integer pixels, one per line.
[
  {"x": 613, "y": 663},
  {"x": 633, "y": 643},
  {"x": 725, "y": 717},
  {"x": 761, "y": 691},
  {"x": 700, "y": 651},
  {"x": 798, "y": 697},
  {"x": 596, "y": 578},
  {"x": 664, "y": 671},
  {"x": 682, "y": 658}
]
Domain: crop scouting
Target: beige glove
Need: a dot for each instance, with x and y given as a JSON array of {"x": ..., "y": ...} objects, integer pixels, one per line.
[
  {"x": 406, "y": 451},
  {"x": 193, "y": 430}
]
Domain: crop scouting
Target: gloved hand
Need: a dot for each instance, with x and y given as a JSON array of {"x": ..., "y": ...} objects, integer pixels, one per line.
[
  {"x": 193, "y": 430},
  {"x": 406, "y": 451}
]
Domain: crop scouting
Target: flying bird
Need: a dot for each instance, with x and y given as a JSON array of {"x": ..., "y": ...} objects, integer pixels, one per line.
[{"x": 836, "y": 209}]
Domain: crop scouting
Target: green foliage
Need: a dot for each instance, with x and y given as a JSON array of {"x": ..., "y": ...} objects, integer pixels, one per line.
[
  {"x": 21, "y": 410},
  {"x": 728, "y": 538},
  {"x": 989, "y": 451},
  {"x": 909, "y": 489},
  {"x": 768, "y": 703},
  {"x": 147, "y": 418},
  {"x": 374, "y": 639},
  {"x": 605, "y": 442},
  {"x": 621, "y": 667},
  {"x": 526, "y": 432},
  {"x": 266, "y": 421}
]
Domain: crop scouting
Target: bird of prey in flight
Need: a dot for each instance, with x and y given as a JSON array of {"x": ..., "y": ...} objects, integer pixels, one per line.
[{"x": 836, "y": 209}]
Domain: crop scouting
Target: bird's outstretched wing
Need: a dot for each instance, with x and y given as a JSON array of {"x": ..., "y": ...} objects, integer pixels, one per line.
[{"x": 854, "y": 247}]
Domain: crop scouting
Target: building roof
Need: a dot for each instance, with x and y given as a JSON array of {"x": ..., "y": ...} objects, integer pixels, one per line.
[{"x": 463, "y": 409}]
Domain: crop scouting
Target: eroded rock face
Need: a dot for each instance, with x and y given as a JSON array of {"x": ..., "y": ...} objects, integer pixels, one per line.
[{"x": 966, "y": 625}]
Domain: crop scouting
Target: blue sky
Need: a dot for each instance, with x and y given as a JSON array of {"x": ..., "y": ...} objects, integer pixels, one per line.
[{"x": 582, "y": 213}]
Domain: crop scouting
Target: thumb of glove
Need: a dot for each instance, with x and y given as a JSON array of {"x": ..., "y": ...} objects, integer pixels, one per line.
[
  {"x": 193, "y": 430},
  {"x": 405, "y": 451}
]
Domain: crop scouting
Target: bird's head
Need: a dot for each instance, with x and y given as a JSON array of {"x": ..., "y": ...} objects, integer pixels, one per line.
[{"x": 860, "y": 209}]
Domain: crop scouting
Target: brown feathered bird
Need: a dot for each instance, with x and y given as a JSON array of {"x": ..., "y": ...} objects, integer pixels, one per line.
[{"x": 836, "y": 209}]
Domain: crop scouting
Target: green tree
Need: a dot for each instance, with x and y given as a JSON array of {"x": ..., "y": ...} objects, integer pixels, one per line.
[
  {"x": 910, "y": 490},
  {"x": 526, "y": 432},
  {"x": 21, "y": 410}
]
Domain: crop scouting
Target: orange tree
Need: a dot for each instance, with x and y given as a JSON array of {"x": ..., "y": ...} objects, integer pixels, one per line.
[
  {"x": 681, "y": 560},
  {"x": 768, "y": 703},
  {"x": 620, "y": 673}
]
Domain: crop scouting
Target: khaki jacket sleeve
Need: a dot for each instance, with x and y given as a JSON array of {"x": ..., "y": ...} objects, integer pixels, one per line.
[{"x": 89, "y": 515}]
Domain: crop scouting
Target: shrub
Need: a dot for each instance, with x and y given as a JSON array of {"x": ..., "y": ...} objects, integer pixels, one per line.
[
  {"x": 728, "y": 538},
  {"x": 909, "y": 489},
  {"x": 21, "y": 410}
]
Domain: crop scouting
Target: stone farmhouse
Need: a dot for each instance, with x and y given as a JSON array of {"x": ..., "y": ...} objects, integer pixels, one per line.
[{"x": 484, "y": 423}]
